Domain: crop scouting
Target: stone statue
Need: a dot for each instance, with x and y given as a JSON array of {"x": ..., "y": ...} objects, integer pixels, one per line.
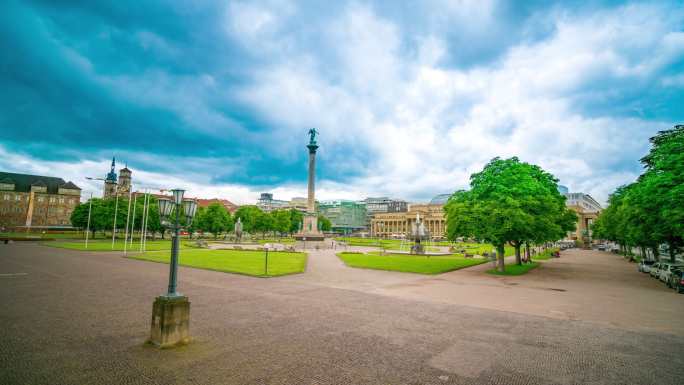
[
  {"x": 312, "y": 136},
  {"x": 238, "y": 230}
]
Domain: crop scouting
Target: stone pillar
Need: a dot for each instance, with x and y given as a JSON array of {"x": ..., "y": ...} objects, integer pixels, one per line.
[
  {"x": 170, "y": 321},
  {"x": 311, "y": 198}
]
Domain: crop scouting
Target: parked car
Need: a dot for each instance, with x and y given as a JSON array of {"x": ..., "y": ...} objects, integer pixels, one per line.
[
  {"x": 654, "y": 269},
  {"x": 645, "y": 266},
  {"x": 677, "y": 280},
  {"x": 666, "y": 270}
]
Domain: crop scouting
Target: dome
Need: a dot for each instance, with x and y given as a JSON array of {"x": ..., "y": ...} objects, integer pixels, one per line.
[{"x": 440, "y": 199}]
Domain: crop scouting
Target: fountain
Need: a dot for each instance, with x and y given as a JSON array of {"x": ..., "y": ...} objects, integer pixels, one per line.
[{"x": 418, "y": 233}]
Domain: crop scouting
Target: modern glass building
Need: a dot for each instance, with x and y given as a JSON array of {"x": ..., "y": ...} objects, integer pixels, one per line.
[{"x": 346, "y": 217}]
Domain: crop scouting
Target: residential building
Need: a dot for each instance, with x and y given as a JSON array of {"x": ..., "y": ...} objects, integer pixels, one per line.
[
  {"x": 345, "y": 216},
  {"x": 35, "y": 201}
]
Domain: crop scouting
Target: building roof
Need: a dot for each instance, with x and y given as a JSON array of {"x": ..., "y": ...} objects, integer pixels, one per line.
[
  {"x": 225, "y": 202},
  {"x": 70, "y": 185},
  {"x": 23, "y": 182},
  {"x": 440, "y": 199}
]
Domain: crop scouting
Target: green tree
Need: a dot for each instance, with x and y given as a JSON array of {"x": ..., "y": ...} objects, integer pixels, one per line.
[
  {"x": 281, "y": 219},
  {"x": 650, "y": 211},
  {"x": 509, "y": 202},
  {"x": 324, "y": 223},
  {"x": 215, "y": 219},
  {"x": 296, "y": 218},
  {"x": 264, "y": 223},
  {"x": 248, "y": 215}
]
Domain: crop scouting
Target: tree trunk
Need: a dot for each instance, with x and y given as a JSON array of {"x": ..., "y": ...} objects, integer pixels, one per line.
[
  {"x": 528, "y": 255},
  {"x": 518, "y": 260},
  {"x": 672, "y": 252},
  {"x": 656, "y": 254},
  {"x": 500, "y": 250}
]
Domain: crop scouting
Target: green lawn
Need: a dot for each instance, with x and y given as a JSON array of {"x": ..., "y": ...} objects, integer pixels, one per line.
[
  {"x": 23, "y": 234},
  {"x": 514, "y": 269},
  {"x": 235, "y": 261},
  {"x": 409, "y": 263},
  {"x": 546, "y": 254},
  {"x": 394, "y": 244},
  {"x": 106, "y": 245}
]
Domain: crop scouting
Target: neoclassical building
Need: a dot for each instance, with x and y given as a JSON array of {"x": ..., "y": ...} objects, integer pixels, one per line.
[
  {"x": 587, "y": 210},
  {"x": 397, "y": 225}
]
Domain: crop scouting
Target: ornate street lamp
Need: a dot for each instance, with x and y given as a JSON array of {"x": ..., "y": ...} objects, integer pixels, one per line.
[{"x": 171, "y": 312}]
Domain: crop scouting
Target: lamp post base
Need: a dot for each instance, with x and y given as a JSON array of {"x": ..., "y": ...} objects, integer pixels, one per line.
[{"x": 170, "y": 322}]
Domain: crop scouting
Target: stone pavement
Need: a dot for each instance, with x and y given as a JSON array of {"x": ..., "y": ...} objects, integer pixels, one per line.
[{"x": 72, "y": 317}]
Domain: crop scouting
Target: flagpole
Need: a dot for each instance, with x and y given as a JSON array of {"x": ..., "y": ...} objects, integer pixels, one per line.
[
  {"x": 90, "y": 209},
  {"x": 147, "y": 221},
  {"x": 142, "y": 224},
  {"x": 128, "y": 217},
  {"x": 135, "y": 198},
  {"x": 116, "y": 211}
]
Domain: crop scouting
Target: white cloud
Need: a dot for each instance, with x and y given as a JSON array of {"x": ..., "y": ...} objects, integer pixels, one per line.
[{"x": 427, "y": 128}]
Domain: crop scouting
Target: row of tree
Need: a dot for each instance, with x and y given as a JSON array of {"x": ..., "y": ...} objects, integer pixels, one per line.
[
  {"x": 214, "y": 219},
  {"x": 510, "y": 202},
  {"x": 650, "y": 211},
  {"x": 278, "y": 221},
  {"x": 102, "y": 214}
]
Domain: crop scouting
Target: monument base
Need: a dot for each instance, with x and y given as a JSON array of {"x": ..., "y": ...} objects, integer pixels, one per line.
[
  {"x": 315, "y": 237},
  {"x": 170, "y": 322}
]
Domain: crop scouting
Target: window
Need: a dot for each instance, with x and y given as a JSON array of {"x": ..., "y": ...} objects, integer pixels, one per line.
[
  {"x": 61, "y": 200},
  {"x": 17, "y": 197},
  {"x": 7, "y": 197},
  {"x": 52, "y": 199},
  {"x": 40, "y": 199}
]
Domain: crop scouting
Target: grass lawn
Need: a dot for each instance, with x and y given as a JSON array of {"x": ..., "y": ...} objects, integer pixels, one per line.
[
  {"x": 513, "y": 269},
  {"x": 38, "y": 235},
  {"x": 235, "y": 261},
  {"x": 394, "y": 244},
  {"x": 106, "y": 245},
  {"x": 546, "y": 254},
  {"x": 409, "y": 263}
]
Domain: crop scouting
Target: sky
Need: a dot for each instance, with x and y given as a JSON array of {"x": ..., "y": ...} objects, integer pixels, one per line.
[{"x": 410, "y": 98}]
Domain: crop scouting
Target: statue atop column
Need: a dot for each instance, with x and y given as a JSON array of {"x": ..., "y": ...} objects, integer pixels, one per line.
[{"x": 312, "y": 136}]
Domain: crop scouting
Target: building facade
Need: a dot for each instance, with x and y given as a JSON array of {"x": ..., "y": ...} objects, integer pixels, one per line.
[
  {"x": 298, "y": 203},
  {"x": 398, "y": 225},
  {"x": 267, "y": 204},
  {"x": 34, "y": 201},
  {"x": 346, "y": 217},
  {"x": 587, "y": 210},
  {"x": 382, "y": 205}
]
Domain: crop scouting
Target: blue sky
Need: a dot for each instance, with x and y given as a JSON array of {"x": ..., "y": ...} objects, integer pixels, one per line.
[{"x": 410, "y": 97}]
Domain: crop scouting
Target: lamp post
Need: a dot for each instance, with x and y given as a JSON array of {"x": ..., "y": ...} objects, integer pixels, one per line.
[{"x": 171, "y": 312}]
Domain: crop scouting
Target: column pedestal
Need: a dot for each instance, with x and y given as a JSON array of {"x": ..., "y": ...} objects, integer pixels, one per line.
[{"x": 170, "y": 322}]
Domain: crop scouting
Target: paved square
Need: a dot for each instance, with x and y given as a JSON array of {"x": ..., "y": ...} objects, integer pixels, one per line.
[{"x": 72, "y": 317}]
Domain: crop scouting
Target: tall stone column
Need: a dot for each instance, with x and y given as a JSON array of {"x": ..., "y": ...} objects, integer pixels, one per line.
[
  {"x": 311, "y": 197},
  {"x": 310, "y": 230}
]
